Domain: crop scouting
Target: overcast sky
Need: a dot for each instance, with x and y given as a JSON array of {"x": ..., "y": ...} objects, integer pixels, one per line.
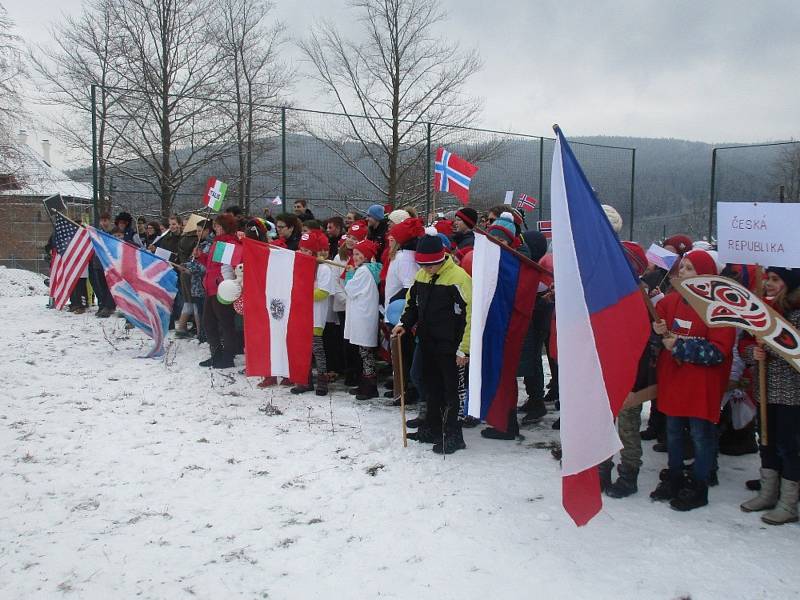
[{"x": 709, "y": 70}]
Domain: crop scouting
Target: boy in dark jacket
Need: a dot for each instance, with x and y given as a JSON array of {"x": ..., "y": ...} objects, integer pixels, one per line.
[{"x": 438, "y": 304}]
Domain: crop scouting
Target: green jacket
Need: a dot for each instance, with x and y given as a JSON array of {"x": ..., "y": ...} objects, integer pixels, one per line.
[{"x": 440, "y": 306}]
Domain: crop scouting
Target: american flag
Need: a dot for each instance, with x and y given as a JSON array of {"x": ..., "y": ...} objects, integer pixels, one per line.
[
  {"x": 142, "y": 284},
  {"x": 73, "y": 250},
  {"x": 526, "y": 203}
]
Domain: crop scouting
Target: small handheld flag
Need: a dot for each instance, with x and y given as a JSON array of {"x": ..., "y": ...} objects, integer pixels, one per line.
[
  {"x": 227, "y": 254},
  {"x": 215, "y": 193},
  {"x": 276, "y": 201},
  {"x": 453, "y": 174},
  {"x": 546, "y": 228},
  {"x": 526, "y": 203},
  {"x": 661, "y": 257}
]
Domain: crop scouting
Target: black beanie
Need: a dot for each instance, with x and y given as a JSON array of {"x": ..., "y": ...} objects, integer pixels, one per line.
[
  {"x": 430, "y": 249},
  {"x": 791, "y": 277},
  {"x": 468, "y": 215}
]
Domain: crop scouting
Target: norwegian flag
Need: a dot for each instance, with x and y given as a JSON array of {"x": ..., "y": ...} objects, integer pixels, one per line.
[
  {"x": 142, "y": 284},
  {"x": 526, "y": 203},
  {"x": 546, "y": 228},
  {"x": 453, "y": 174},
  {"x": 73, "y": 250}
]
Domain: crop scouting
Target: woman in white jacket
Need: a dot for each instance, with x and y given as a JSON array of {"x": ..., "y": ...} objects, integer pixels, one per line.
[{"x": 361, "y": 314}]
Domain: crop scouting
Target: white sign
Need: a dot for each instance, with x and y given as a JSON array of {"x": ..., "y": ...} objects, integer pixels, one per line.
[
  {"x": 759, "y": 233},
  {"x": 163, "y": 253},
  {"x": 509, "y": 197}
]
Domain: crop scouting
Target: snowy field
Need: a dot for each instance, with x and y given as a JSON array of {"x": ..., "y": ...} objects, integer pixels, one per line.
[{"x": 124, "y": 477}]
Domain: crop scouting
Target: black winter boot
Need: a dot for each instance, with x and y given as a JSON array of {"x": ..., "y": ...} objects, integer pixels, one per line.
[
  {"x": 210, "y": 360},
  {"x": 424, "y": 435},
  {"x": 693, "y": 495},
  {"x": 322, "y": 384},
  {"x": 222, "y": 360},
  {"x": 604, "y": 469},
  {"x": 625, "y": 485},
  {"x": 535, "y": 412},
  {"x": 667, "y": 490},
  {"x": 368, "y": 388},
  {"x": 452, "y": 442}
]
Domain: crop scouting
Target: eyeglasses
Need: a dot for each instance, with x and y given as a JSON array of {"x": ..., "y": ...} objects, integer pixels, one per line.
[{"x": 281, "y": 227}]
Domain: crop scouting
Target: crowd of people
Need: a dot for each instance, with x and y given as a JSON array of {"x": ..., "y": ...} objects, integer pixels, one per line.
[{"x": 386, "y": 273}]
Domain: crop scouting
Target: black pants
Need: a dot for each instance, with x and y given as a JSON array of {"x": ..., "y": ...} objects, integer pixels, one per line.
[
  {"x": 97, "y": 277},
  {"x": 783, "y": 433},
  {"x": 219, "y": 325},
  {"x": 79, "y": 295},
  {"x": 332, "y": 338},
  {"x": 440, "y": 380}
]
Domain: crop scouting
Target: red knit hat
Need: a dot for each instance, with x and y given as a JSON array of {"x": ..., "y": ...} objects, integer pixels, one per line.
[
  {"x": 444, "y": 226},
  {"x": 358, "y": 230},
  {"x": 314, "y": 240},
  {"x": 368, "y": 248},
  {"x": 702, "y": 262},
  {"x": 681, "y": 243},
  {"x": 407, "y": 230},
  {"x": 636, "y": 256}
]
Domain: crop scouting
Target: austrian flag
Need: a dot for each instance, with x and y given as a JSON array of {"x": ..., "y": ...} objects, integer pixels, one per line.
[
  {"x": 278, "y": 311},
  {"x": 215, "y": 193},
  {"x": 453, "y": 174}
]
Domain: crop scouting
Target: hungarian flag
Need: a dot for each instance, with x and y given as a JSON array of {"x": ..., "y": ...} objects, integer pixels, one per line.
[
  {"x": 227, "y": 254},
  {"x": 453, "y": 174},
  {"x": 278, "y": 297},
  {"x": 215, "y": 193}
]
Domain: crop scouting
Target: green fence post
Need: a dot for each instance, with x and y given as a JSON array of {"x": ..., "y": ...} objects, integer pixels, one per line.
[
  {"x": 541, "y": 178},
  {"x": 95, "y": 211},
  {"x": 633, "y": 187},
  {"x": 712, "y": 194},
  {"x": 283, "y": 157},
  {"x": 428, "y": 174}
]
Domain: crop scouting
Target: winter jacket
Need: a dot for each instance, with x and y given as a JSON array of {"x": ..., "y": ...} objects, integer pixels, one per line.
[
  {"x": 693, "y": 377},
  {"x": 198, "y": 270},
  {"x": 783, "y": 380},
  {"x": 440, "y": 307},
  {"x": 170, "y": 241},
  {"x": 464, "y": 240},
  {"x": 361, "y": 311},
  {"x": 378, "y": 235},
  {"x": 132, "y": 236},
  {"x": 216, "y": 272},
  {"x": 186, "y": 245},
  {"x": 400, "y": 274}
]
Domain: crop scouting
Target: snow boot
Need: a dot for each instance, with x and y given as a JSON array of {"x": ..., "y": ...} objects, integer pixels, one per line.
[
  {"x": 222, "y": 360},
  {"x": 768, "y": 495},
  {"x": 469, "y": 422},
  {"x": 693, "y": 495},
  {"x": 302, "y": 388},
  {"x": 786, "y": 509},
  {"x": 210, "y": 361},
  {"x": 415, "y": 423},
  {"x": 452, "y": 442},
  {"x": 424, "y": 435},
  {"x": 322, "y": 384},
  {"x": 490, "y": 433},
  {"x": 556, "y": 424},
  {"x": 535, "y": 412},
  {"x": 368, "y": 388},
  {"x": 667, "y": 490},
  {"x": 604, "y": 469},
  {"x": 267, "y": 382},
  {"x": 624, "y": 486}
]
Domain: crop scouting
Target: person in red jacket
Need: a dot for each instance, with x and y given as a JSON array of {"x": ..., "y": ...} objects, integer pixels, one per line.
[
  {"x": 694, "y": 364},
  {"x": 218, "y": 318}
]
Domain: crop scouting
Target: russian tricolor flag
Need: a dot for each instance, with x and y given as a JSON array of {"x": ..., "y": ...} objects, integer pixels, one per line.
[
  {"x": 504, "y": 289},
  {"x": 602, "y": 327}
]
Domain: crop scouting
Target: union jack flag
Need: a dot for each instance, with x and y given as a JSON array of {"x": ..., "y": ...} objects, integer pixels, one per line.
[
  {"x": 526, "y": 203},
  {"x": 142, "y": 284},
  {"x": 453, "y": 174}
]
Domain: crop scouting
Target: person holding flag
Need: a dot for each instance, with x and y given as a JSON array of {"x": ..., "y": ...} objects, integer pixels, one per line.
[
  {"x": 438, "y": 304},
  {"x": 218, "y": 318}
]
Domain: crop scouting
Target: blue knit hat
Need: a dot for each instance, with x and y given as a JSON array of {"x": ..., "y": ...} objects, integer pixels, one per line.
[
  {"x": 376, "y": 212},
  {"x": 504, "y": 228}
]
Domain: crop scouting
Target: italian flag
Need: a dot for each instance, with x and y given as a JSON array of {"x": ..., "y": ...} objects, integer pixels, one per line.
[
  {"x": 227, "y": 253},
  {"x": 278, "y": 297},
  {"x": 215, "y": 194}
]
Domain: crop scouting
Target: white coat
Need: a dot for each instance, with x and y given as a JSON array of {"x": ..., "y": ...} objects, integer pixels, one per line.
[
  {"x": 400, "y": 274},
  {"x": 361, "y": 318}
]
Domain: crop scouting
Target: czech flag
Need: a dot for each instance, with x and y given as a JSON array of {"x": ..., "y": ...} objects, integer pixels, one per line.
[
  {"x": 602, "y": 326},
  {"x": 504, "y": 287},
  {"x": 278, "y": 294}
]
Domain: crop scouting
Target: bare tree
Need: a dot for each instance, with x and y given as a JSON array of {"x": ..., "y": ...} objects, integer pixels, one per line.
[
  {"x": 171, "y": 125},
  {"x": 249, "y": 45},
  {"x": 786, "y": 170},
  {"x": 399, "y": 77},
  {"x": 13, "y": 73},
  {"x": 82, "y": 53}
]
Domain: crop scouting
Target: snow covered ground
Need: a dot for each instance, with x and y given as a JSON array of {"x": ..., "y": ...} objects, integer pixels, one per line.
[{"x": 123, "y": 477}]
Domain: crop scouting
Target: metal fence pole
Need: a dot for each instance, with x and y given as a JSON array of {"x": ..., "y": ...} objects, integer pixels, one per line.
[
  {"x": 712, "y": 193},
  {"x": 95, "y": 211},
  {"x": 541, "y": 178},
  {"x": 283, "y": 157},
  {"x": 428, "y": 173},
  {"x": 633, "y": 187}
]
